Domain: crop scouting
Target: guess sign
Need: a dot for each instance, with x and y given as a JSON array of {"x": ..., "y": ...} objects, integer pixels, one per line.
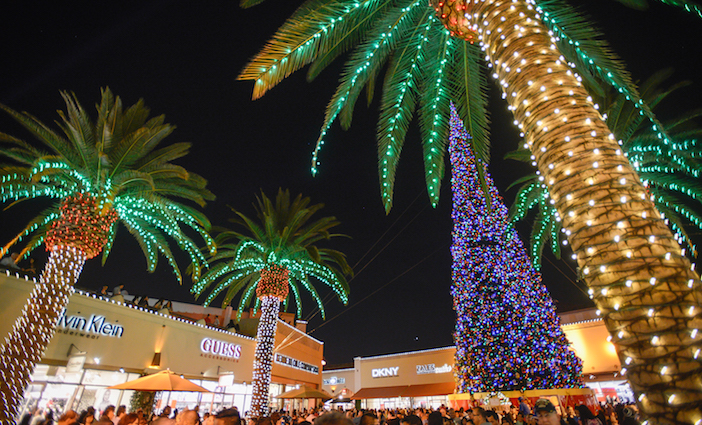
[{"x": 220, "y": 348}]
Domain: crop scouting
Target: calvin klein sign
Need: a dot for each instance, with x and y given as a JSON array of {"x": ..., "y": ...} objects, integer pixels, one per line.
[{"x": 95, "y": 324}]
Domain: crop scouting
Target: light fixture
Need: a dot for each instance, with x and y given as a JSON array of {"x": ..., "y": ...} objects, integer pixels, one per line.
[{"x": 156, "y": 362}]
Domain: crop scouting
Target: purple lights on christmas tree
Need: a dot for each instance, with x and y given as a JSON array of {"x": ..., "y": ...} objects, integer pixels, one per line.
[{"x": 508, "y": 336}]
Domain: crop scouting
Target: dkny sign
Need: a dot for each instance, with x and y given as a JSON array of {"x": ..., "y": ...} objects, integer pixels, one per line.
[{"x": 384, "y": 372}]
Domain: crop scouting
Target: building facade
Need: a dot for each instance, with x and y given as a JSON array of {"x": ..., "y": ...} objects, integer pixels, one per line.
[
  {"x": 100, "y": 342},
  {"x": 425, "y": 378}
]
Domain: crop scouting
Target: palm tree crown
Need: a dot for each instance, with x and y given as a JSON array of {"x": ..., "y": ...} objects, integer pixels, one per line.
[
  {"x": 425, "y": 68},
  {"x": 103, "y": 172},
  {"x": 278, "y": 254}
]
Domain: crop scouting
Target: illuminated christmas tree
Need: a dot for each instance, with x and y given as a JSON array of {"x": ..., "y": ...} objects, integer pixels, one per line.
[{"x": 508, "y": 336}]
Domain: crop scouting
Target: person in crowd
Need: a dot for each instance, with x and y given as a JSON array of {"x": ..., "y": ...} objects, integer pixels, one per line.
[
  {"x": 208, "y": 320},
  {"x": 479, "y": 416},
  {"x": 37, "y": 418},
  {"x": 215, "y": 322},
  {"x": 144, "y": 301},
  {"x": 103, "y": 291},
  {"x": 108, "y": 413},
  {"x": 188, "y": 417},
  {"x": 369, "y": 418},
  {"x": 435, "y": 418},
  {"x": 164, "y": 418},
  {"x": 334, "y": 418},
  {"x": 48, "y": 419},
  {"x": 119, "y": 414},
  {"x": 586, "y": 416},
  {"x": 70, "y": 417},
  {"x": 128, "y": 418},
  {"x": 27, "y": 417},
  {"x": 410, "y": 420},
  {"x": 492, "y": 417},
  {"x": 10, "y": 262},
  {"x": 159, "y": 304},
  {"x": 524, "y": 407},
  {"x": 546, "y": 413},
  {"x": 87, "y": 417},
  {"x": 228, "y": 417}
]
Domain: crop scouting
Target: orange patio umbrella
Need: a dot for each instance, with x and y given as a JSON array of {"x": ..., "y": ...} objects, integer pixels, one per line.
[
  {"x": 305, "y": 392},
  {"x": 161, "y": 381}
]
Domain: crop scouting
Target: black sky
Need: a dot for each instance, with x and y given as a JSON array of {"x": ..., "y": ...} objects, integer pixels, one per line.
[{"x": 183, "y": 57}]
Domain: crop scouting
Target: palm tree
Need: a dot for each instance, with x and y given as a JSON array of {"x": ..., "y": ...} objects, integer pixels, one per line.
[
  {"x": 670, "y": 171},
  {"x": 278, "y": 254},
  {"x": 539, "y": 52},
  {"x": 97, "y": 174}
]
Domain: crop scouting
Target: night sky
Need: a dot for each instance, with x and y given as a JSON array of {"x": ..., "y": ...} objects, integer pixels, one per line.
[{"x": 183, "y": 59}]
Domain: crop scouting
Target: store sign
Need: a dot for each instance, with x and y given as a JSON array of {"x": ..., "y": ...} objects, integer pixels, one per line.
[
  {"x": 334, "y": 381},
  {"x": 385, "y": 372},
  {"x": 423, "y": 369},
  {"x": 96, "y": 325},
  {"x": 297, "y": 364},
  {"x": 75, "y": 363},
  {"x": 220, "y": 348}
]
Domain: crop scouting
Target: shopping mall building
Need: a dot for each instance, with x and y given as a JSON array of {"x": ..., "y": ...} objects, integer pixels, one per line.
[
  {"x": 425, "y": 378},
  {"x": 100, "y": 342}
]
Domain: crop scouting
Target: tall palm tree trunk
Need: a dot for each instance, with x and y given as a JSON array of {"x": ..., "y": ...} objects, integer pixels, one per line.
[
  {"x": 263, "y": 359},
  {"x": 33, "y": 330},
  {"x": 642, "y": 284}
]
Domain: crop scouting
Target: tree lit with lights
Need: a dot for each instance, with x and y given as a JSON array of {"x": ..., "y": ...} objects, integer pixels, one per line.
[
  {"x": 538, "y": 51},
  {"x": 271, "y": 266},
  {"x": 669, "y": 171},
  {"x": 508, "y": 336},
  {"x": 98, "y": 173}
]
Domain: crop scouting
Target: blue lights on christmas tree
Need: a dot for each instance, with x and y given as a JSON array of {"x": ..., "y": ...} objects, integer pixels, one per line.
[{"x": 508, "y": 336}]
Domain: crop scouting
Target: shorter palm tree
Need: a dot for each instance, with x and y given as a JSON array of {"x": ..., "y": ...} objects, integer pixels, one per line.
[
  {"x": 98, "y": 174},
  {"x": 277, "y": 256}
]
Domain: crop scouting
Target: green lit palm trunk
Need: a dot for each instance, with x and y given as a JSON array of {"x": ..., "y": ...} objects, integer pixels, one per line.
[
  {"x": 33, "y": 330},
  {"x": 263, "y": 360},
  {"x": 78, "y": 235},
  {"x": 642, "y": 284}
]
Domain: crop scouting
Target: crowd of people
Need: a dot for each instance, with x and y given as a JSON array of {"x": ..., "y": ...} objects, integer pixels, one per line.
[{"x": 543, "y": 412}]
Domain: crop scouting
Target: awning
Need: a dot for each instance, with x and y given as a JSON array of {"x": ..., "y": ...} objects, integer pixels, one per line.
[
  {"x": 417, "y": 390},
  {"x": 423, "y": 390}
]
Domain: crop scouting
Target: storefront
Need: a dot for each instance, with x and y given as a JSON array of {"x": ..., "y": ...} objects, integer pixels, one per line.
[
  {"x": 425, "y": 378},
  {"x": 99, "y": 343}
]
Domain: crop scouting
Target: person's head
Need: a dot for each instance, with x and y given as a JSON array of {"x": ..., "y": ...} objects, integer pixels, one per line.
[
  {"x": 584, "y": 412},
  {"x": 68, "y": 418},
  {"x": 227, "y": 417},
  {"x": 370, "y": 419},
  {"x": 479, "y": 416},
  {"x": 333, "y": 418},
  {"x": 411, "y": 420},
  {"x": 109, "y": 411},
  {"x": 128, "y": 419},
  {"x": 545, "y": 412},
  {"x": 435, "y": 418},
  {"x": 166, "y": 411},
  {"x": 492, "y": 417},
  {"x": 520, "y": 417},
  {"x": 188, "y": 417},
  {"x": 121, "y": 411}
]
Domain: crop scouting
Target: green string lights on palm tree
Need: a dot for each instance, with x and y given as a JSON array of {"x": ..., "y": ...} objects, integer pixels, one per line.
[
  {"x": 670, "y": 171},
  {"x": 98, "y": 173},
  {"x": 277, "y": 255},
  {"x": 542, "y": 55}
]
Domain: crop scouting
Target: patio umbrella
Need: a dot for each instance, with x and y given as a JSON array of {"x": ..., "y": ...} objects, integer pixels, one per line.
[
  {"x": 305, "y": 392},
  {"x": 161, "y": 381}
]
